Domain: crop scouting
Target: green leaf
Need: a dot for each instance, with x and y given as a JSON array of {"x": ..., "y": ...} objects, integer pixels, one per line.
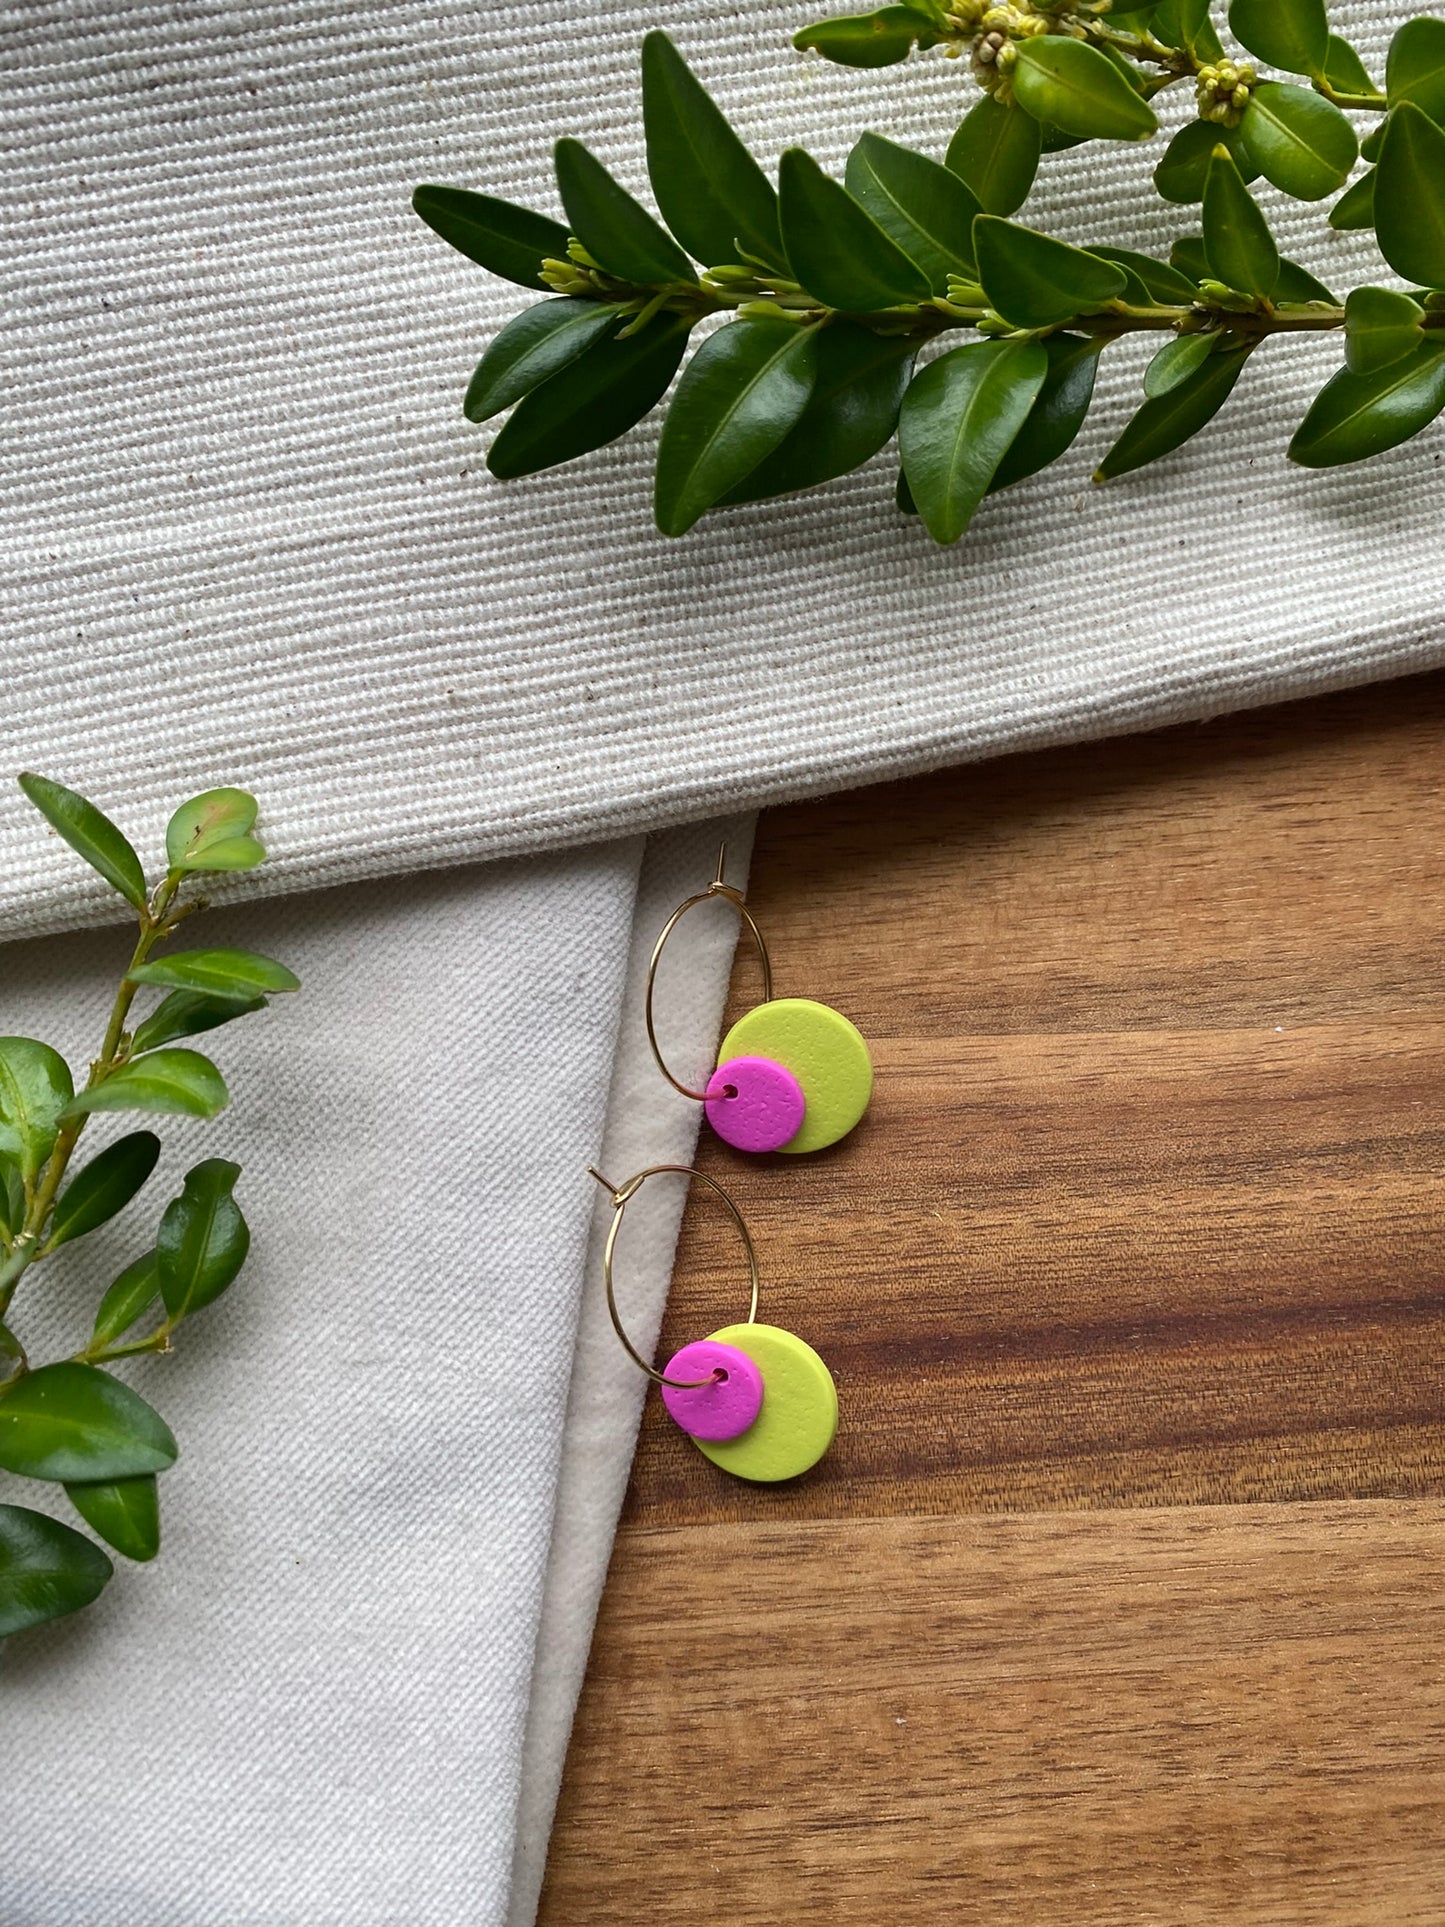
[
  {"x": 591, "y": 401},
  {"x": 186, "y": 1013},
  {"x": 1033, "y": 280},
  {"x": 1298, "y": 140},
  {"x": 125, "y": 1512},
  {"x": 1415, "y": 66},
  {"x": 72, "y": 1421},
  {"x": 959, "y": 417},
  {"x": 1181, "y": 174},
  {"x": 164, "y": 1080},
  {"x": 741, "y": 393},
  {"x": 1357, "y": 415},
  {"x": 219, "y": 973},
  {"x": 1070, "y": 85},
  {"x": 851, "y": 413},
  {"x": 203, "y": 1239},
  {"x": 1293, "y": 34},
  {"x": 838, "y": 251},
  {"x": 91, "y": 835},
  {"x": 712, "y": 193},
  {"x": 925, "y": 208},
  {"x": 1058, "y": 411},
  {"x": 12, "y": 1356},
  {"x": 1381, "y": 325},
  {"x": 1187, "y": 254},
  {"x": 12, "y": 1197},
  {"x": 214, "y": 832},
  {"x": 1176, "y": 361},
  {"x": 995, "y": 153},
  {"x": 1356, "y": 206},
  {"x": 532, "y": 347},
  {"x": 1241, "y": 249},
  {"x": 879, "y": 39},
  {"x": 1186, "y": 23},
  {"x": 105, "y": 1185},
  {"x": 1372, "y": 143},
  {"x": 1163, "y": 425},
  {"x": 1344, "y": 70},
  {"x": 46, "y": 1569},
  {"x": 510, "y": 241},
  {"x": 1161, "y": 282},
  {"x": 619, "y": 234},
  {"x": 1410, "y": 202},
  {"x": 1297, "y": 284},
  {"x": 35, "y": 1088},
  {"x": 128, "y": 1300}
]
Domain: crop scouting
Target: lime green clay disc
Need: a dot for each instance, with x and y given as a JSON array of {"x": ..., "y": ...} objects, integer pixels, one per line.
[
  {"x": 800, "y": 1408},
  {"x": 824, "y": 1052}
]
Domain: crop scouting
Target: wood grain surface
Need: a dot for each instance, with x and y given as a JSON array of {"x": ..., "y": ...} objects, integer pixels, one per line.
[{"x": 1139, "y": 1244}]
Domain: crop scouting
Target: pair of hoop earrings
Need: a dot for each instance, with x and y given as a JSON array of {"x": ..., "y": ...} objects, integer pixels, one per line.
[{"x": 794, "y": 1076}]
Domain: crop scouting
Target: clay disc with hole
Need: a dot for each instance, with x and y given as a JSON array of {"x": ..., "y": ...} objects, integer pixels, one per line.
[
  {"x": 799, "y": 1413},
  {"x": 824, "y": 1052}
]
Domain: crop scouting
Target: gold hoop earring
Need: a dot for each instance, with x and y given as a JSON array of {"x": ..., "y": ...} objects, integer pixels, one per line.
[
  {"x": 793, "y": 1075},
  {"x": 755, "y": 1399}
]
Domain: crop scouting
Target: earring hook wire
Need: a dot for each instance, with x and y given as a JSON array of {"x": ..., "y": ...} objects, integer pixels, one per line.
[
  {"x": 622, "y": 1195},
  {"x": 717, "y": 888}
]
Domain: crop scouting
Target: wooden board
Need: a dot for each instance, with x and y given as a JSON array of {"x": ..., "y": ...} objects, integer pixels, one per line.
[{"x": 1146, "y": 1213}]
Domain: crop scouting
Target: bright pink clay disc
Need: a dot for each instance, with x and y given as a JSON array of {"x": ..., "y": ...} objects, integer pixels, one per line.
[
  {"x": 754, "y": 1103},
  {"x": 726, "y": 1405}
]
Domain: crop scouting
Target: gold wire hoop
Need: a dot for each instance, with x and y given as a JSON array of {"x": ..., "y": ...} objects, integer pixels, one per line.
[
  {"x": 621, "y": 1197},
  {"x": 717, "y": 888}
]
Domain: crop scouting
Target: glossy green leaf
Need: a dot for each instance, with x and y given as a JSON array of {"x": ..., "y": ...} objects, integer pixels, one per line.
[
  {"x": 1058, "y": 411},
  {"x": 1344, "y": 69},
  {"x": 1293, "y": 34},
  {"x": 214, "y": 831},
  {"x": 1357, "y": 415},
  {"x": 164, "y": 1080},
  {"x": 103, "y": 1187},
  {"x": 618, "y": 232},
  {"x": 925, "y": 208},
  {"x": 995, "y": 153},
  {"x": 1297, "y": 284},
  {"x": 1298, "y": 140},
  {"x": 710, "y": 190},
  {"x": 1070, "y": 85},
  {"x": 125, "y": 1512},
  {"x": 46, "y": 1569},
  {"x": 12, "y": 1197},
  {"x": 1415, "y": 67},
  {"x": 1162, "y": 425},
  {"x": 591, "y": 401},
  {"x": 1381, "y": 325},
  {"x": 1372, "y": 143},
  {"x": 532, "y": 347},
  {"x": 1410, "y": 197},
  {"x": 71, "y": 1421},
  {"x": 510, "y": 241},
  {"x": 958, "y": 419},
  {"x": 186, "y": 1013},
  {"x": 35, "y": 1088},
  {"x": 1237, "y": 240},
  {"x": 1161, "y": 282},
  {"x": 203, "y": 1239},
  {"x": 878, "y": 39},
  {"x": 739, "y": 396},
  {"x": 218, "y": 973},
  {"x": 1033, "y": 280},
  {"x": 91, "y": 835},
  {"x": 1176, "y": 361},
  {"x": 851, "y": 413},
  {"x": 127, "y": 1301},
  {"x": 1187, "y": 254},
  {"x": 1181, "y": 174},
  {"x": 838, "y": 251},
  {"x": 1356, "y": 206},
  {"x": 1186, "y": 23}
]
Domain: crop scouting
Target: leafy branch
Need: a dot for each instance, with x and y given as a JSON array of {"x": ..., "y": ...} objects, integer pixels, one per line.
[
  {"x": 827, "y": 291},
  {"x": 69, "y": 1421}
]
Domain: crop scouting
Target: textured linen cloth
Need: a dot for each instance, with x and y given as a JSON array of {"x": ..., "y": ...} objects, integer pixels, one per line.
[
  {"x": 246, "y": 535},
  {"x": 311, "y": 1708}
]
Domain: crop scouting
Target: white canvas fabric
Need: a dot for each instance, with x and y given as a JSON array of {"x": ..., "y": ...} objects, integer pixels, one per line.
[{"x": 246, "y": 536}]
